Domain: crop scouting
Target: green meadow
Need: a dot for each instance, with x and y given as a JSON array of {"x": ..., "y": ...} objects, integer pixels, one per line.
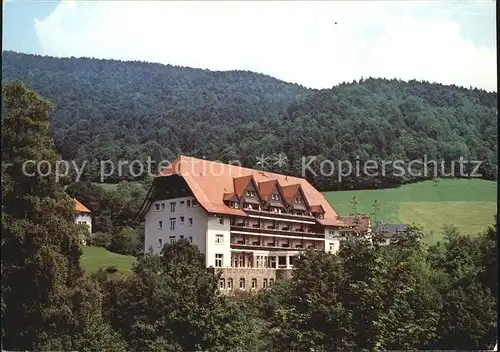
[
  {"x": 95, "y": 258},
  {"x": 469, "y": 205}
]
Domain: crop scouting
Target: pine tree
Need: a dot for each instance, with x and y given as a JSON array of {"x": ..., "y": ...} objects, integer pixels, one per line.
[{"x": 43, "y": 299}]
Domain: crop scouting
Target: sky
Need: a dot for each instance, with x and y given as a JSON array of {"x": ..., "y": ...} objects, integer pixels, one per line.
[{"x": 316, "y": 44}]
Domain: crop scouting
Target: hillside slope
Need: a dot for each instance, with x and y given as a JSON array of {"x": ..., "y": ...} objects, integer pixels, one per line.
[{"x": 108, "y": 109}]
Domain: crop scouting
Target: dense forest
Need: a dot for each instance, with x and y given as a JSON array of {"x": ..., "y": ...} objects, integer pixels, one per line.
[{"x": 116, "y": 110}]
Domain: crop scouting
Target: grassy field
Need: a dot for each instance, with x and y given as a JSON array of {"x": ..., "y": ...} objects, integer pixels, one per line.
[
  {"x": 469, "y": 205},
  {"x": 95, "y": 258}
]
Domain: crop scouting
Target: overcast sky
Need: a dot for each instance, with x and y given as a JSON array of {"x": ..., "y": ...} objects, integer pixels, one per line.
[{"x": 316, "y": 44}]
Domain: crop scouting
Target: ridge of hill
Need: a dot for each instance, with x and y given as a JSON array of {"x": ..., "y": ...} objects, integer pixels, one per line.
[{"x": 116, "y": 110}]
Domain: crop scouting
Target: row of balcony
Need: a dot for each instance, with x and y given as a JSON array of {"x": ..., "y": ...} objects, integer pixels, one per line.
[
  {"x": 280, "y": 214},
  {"x": 274, "y": 229},
  {"x": 254, "y": 242}
]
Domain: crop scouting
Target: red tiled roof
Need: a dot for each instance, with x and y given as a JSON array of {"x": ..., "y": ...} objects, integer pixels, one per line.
[
  {"x": 266, "y": 188},
  {"x": 230, "y": 196},
  {"x": 240, "y": 184},
  {"x": 317, "y": 209},
  {"x": 79, "y": 207},
  {"x": 290, "y": 191},
  {"x": 209, "y": 181},
  {"x": 359, "y": 223}
]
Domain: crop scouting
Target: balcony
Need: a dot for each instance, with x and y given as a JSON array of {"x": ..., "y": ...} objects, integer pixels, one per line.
[
  {"x": 280, "y": 215},
  {"x": 273, "y": 230},
  {"x": 267, "y": 244}
]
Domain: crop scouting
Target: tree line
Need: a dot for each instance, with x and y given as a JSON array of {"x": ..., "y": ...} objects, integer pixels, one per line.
[
  {"x": 365, "y": 297},
  {"x": 114, "y": 110}
]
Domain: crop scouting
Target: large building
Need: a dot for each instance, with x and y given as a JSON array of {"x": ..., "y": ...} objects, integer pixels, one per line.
[{"x": 248, "y": 223}]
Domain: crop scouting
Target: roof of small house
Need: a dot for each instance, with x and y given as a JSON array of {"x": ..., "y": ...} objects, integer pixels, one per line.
[
  {"x": 390, "y": 229},
  {"x": 359, "y": 223},
  {"x": 80, "y": 208},
  {"x": 212, "y": 182}
]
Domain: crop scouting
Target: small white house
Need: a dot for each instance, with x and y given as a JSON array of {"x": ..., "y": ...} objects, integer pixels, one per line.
[{"x": 83, "y": 215}]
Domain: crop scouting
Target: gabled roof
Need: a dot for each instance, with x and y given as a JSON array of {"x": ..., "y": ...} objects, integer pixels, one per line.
[
  {"x": 241, "y": 184},
  {"x": 209, "y": 181},
  {"x": 290, "y": 191},
  {"x": 266, "y": 188},
  {"x": 80, "y": 208}
]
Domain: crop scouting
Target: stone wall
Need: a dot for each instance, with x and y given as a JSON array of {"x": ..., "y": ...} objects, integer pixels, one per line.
[{"x": 264, "y": 277}]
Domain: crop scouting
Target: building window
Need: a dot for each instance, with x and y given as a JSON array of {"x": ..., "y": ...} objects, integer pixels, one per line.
[
  {"x": 188, "y": 203},
  {"x": 276, "y": 196},
  {"x": 271, "y": 282},
  {"x": 162, "y": 206},
  {"x": 182, "y": 203},
  {"x": 172, "y": 239},
  {"x": 236, "y": 205},
  {"x": 160, "y": 242},
  {"x": 221, "y": 220},
  {"x": 331, "y": 231},
  {"x": 222, "y": 284},
  {"x": 181, "y": 237},
  {"x": 172, "y": 224},
  {"x": 242, "y": 283},
  {"x": 264, "y": 283},
  {"x": 190, "y": 222},
  {"x": 332, "y": 246},
  {"x": 248, "y": 193},
  {"x": 172, "y": 207},
  {"x": 157, "y": 206},
  {"x": 182, "y": 219},
  {"x": 160, "y": 225},
  {"x": 229, "y": 284},
  {"x": 254, "y": 284},
  {"x": 190, "y": 239},
  {"x": 218, "y": 260},
  {"x": 194, "y": 202},
  {"x": 219, "y": 238}
]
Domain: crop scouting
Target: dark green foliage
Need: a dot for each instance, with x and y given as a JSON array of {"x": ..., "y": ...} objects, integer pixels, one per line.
[
  {"x": 467, "y": 277},
  {"x": 46, "y": 303},
  {"x": 101, "y": 239},
  {"x": 139, "y": 110},
  {"x": 401, "y": 297},
  {"x": 171, "y": 304},
  {"x": 125, "y": 242}
]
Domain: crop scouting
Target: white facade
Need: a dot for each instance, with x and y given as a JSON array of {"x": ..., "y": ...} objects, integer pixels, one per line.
[
  {"x": 172, "y": 219},
  {"x": 84, "y": 218},
  {"x": 332, "y": 240}
]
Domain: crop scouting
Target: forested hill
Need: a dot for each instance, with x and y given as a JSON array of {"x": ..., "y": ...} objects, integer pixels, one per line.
[{"x": 107, "y": 109}]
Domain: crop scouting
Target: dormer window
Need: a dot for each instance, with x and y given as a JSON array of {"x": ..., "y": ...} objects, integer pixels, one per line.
[
  {"x": 236, "y": 205},
  {"x": 298, "y": 200},
  {"x": 248, "y": 193}
]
